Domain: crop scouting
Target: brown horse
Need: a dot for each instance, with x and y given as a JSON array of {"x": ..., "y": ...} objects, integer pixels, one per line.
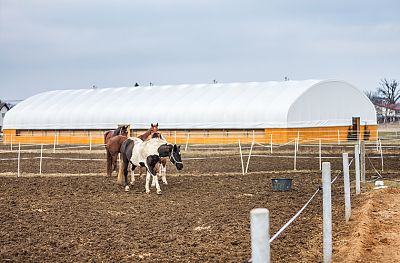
[
  {"x": 113, "y": 148},
  {"x": 148, "y": 134},
  {"x": 123, "y": 130}
]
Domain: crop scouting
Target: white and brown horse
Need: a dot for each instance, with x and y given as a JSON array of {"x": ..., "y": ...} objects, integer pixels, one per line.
[{"x": 146, "y": 154}]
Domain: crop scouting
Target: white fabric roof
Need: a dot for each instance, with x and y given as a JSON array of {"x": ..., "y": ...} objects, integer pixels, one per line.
[{"x": 306, "y": 103}]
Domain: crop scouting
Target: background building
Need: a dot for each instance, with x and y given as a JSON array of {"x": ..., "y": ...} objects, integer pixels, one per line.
[{"x": 309, "y": 110}]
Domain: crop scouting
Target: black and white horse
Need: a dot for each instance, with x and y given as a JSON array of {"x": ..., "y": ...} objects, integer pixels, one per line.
[{"x": 146, "y": 154}]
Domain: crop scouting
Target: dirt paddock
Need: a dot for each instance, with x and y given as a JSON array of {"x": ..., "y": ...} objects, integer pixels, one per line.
[{"x": 73, "y": 213}]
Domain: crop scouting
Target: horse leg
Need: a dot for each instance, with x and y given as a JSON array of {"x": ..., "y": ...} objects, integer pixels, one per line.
[
  {"x": 109, "y": 163},
  {"x": 151, "y": 161},
  {"x": 133, "y": 175},
  {"x": 163, "y": 173},
  {"x": 154, "y": 178},
  {"x": 114, "y": 164}
]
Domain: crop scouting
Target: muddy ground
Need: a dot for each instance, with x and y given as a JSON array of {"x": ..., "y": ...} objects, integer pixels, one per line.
[{"x": 73, "y": 213}]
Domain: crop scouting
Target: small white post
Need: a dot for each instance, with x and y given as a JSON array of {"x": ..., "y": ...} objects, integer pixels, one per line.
[
  {"x": 260, "y": 247},
  {"x": 362, "y": 166},
  {"x": 5, "y": 139},
  {"x": 346, "y": 176},
  {"x": 11, "y": 143},
  {"x": 248, "y": 159},
  {"x": 338, "y": 137},
  {"x": 298, "y": 140},
  {"x": 19, "y": 156},
  {"x": 320, "y": 155},
  {"x": 271, "y": 143},
  {"x": 377, "y": 140},
  {"x": 357, "y": 157},
  {"x": 90, "y": 140},
  {"x": 187, "y": 142},
  {"x": 295, "y": 154},
  {"x": 241, "y": 157},
  {"x": 175, "y": 136},
  {"x": 55, "y": 141},
  {"x": 381, "y": 152},
  {"x": 327, "y": 211},
  {"x": 41, "y": 159}
]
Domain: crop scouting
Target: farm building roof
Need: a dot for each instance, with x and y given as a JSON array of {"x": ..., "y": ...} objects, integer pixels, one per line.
[{"x": 306, "y": 103}]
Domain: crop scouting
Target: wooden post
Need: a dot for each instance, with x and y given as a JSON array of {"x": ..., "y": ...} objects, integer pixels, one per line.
[
  {"x": 327, "y": 212},
  {"x": 346, "y": 176},
  {"x": 363, "y": 161},
  {"x": 357, "y": 164},
  {"x": 260, "y": 247},
  {"x": 338, "y": 137}
]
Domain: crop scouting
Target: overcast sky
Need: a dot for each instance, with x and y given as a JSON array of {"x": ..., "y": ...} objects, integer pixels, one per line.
[{"x": 75, "y": 44}]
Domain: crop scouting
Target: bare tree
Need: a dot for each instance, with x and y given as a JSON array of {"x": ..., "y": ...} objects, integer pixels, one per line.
[
  {"x": 373, "y": 97},
  {"x": 389, "y": 91}
]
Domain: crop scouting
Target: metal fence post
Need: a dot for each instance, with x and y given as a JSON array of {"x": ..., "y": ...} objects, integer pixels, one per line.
[{"x": 357, "y": 164}]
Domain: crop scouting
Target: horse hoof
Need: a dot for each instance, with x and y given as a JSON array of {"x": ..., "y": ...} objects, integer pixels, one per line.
[
  {"x": 165, "y": 183},
  {"x": 132, "y": 183},
  {"x": 147, "y": 191},
  {"x": 127, "y": 188},
  {"x": 159, "y": 193}
]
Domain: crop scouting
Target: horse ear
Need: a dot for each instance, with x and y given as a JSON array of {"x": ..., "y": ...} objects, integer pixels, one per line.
[{"x": 157, "y": 124}]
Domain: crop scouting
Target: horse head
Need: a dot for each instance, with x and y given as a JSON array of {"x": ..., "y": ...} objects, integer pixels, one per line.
[
  {"x": 123, "y": 130},
  {"x": 154, "y": 127},
  {"x": 172, "y": 151}
]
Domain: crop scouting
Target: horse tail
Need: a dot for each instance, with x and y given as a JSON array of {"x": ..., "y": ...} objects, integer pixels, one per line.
[{"x": 122, "y": 164}]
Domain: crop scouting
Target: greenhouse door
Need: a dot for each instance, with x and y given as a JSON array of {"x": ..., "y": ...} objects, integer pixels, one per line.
[{"x": 356, "y": 128}]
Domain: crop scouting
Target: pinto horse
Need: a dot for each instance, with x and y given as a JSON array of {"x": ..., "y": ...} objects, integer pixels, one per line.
[
  {"x": 123, "y": 130},
  {"x": 146, "y": 154},
  {"x": 112, "y": 148}
]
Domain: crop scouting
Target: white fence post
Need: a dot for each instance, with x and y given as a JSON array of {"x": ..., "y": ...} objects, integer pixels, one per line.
[
  {"x": 346, "y": 176},
  {"x": 381, "y": 152},
  {"x": 11, "y": 143},
  {"x": 55, "y": 141},
  {"x": 260, "y": 247},
  {"x": 41, "y": 159},
  {"x": 175, "y": 136},
  {"x": 241, "y": 157},
  {"x": 357, "y": 163},
  {"x": 295, "y": 154},
  {"x": 90, "y": 140},
  {"x": 187, "y": 142},
  {"x": 248, "y": 159},
  {"x": 19, "y": 157},
  {"x": 298, "y": 140},
  {"x": 327, "y": 211},
  {"x": 362, "y": 153},
  {"x": 320, "y": 155},
  {"x": 271, "y": 143}
]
